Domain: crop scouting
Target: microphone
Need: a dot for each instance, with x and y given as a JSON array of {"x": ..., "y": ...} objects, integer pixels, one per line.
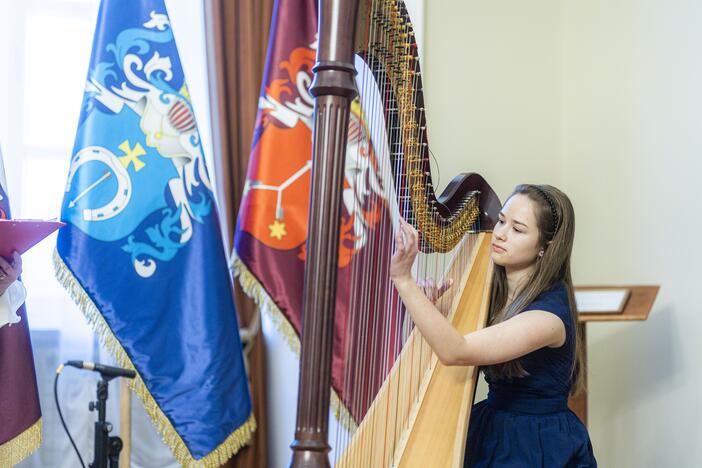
[{"x": 105, "y": 371}]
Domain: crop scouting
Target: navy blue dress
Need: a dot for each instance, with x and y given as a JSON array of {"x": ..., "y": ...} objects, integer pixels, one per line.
[{"x": 525, "y": 422}]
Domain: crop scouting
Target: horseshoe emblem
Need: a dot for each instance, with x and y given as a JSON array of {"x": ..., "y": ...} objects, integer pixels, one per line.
[{"x": 113, "y": 168}]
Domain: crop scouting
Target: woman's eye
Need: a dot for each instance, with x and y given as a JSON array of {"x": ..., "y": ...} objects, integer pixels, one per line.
[
  {"x": 500, "y": 221},
  {"x": 518, "y": 230}
]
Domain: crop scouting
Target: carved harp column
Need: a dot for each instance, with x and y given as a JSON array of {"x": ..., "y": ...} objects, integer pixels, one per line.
[{"x": 333, "y": 88}]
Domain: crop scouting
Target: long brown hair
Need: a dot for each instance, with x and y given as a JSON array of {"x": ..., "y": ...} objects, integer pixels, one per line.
[{"x": 555, "y": 220}]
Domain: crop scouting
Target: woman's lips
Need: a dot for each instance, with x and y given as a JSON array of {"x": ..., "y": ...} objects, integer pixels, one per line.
[{"x": 498, "y": 249}]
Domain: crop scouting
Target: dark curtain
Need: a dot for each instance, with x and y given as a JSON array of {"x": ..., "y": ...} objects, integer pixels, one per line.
[{"x": 237, "y": 38}]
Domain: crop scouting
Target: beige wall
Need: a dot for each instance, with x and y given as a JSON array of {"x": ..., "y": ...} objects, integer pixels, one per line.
[
  {"x": 493, "y": 79},
  {"x": 633, "y": 113},
  {"x": 603, "y": 98}
]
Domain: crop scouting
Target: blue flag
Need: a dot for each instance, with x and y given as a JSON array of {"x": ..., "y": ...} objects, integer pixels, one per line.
[{"x": 142, "y": 252}]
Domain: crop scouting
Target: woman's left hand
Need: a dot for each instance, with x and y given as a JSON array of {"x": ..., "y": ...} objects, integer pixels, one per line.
[
  {"x": 9, "y": 271},
  {"x": 432, "y": 290},
  {"x": 406, "y": 249}
]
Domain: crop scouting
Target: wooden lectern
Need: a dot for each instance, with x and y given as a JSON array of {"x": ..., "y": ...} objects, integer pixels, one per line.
[{"x": 637, "y": 307}]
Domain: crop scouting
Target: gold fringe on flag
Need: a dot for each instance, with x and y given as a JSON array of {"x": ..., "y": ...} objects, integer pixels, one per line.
[
  {"x": 20, "y": 447},
  {"x": 255, "y": 290},
  {"x": 231, "y": 445}
]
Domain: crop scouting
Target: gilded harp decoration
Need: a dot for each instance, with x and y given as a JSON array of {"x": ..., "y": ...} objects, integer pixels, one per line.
[{"x": 400, "y": 406}]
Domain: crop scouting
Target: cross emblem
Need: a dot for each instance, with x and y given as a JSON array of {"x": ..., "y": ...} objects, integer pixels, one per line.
[{"x": 132, "y": 155}]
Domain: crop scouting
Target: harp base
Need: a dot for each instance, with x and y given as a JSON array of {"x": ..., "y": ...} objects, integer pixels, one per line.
[{"x": 310, "y": 454}]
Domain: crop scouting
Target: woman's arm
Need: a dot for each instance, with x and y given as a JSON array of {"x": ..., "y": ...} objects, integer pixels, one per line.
[{"x": 513, "y": 338}]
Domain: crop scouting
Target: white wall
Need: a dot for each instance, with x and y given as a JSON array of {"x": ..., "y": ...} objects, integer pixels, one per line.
[{"x": 602, "y": 98}]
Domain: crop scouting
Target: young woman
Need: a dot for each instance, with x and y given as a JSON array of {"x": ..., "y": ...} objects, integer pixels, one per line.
[
  {"x": 12, "y": 292},
  {"x": 531, "y": 353}
]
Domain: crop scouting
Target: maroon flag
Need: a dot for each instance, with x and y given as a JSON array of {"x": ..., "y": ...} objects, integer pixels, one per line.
[
  {"x": 20, "y": 414},
  {"x": 272, "y": 224}
]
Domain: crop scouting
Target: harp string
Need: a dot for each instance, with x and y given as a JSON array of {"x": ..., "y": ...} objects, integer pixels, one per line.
[
  {"x": 359, "y": 312},
  {"x": 357, "y": 319}
]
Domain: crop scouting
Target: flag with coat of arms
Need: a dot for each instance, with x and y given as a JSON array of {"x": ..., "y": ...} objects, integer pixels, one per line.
[{"x": 142, "y": 251}]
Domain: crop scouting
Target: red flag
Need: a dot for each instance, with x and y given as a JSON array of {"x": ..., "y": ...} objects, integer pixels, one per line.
[
  {"x": 20, "y": 414},
  {"x": 272, "y": 223}
]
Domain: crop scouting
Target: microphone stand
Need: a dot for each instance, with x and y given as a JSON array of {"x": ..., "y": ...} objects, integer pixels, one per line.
[{"x": 107, "y": 448}]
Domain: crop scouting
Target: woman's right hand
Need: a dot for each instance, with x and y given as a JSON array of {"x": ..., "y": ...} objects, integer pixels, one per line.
[
  {"x": 406, "y": 250},
  {"x": 9, "y": 271}
]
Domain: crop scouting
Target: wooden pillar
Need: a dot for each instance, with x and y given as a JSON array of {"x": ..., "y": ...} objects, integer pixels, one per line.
[
  {"x": 636, "y": 308},
  {"x": 125, "y": 423}
]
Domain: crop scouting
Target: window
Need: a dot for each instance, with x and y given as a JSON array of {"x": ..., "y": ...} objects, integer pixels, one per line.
[{"x": 45, "y": 48}]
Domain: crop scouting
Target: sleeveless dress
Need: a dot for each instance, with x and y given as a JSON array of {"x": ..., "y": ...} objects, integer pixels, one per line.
[{"x": 525, "y": 422}]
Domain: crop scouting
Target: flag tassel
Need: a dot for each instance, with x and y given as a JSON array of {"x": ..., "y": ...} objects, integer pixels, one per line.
[
  {"x": 20, "y": 447},
  {"x": 253, "y": 288}
]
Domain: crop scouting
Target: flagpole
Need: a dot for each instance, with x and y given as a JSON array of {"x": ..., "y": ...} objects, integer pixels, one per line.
[{"x": 125, "y": 423}]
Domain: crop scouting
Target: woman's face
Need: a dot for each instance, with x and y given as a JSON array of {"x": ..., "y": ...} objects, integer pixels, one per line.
[{"x": 515, "y": 238}]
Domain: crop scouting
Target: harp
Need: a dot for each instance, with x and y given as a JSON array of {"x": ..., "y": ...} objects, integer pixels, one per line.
[{"x": 403, "y": 407}]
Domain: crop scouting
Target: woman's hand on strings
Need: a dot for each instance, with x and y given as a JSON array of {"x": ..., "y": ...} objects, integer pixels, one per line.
[
  {"x": 432, "y": 290},
  {"x": 406, "y": 249},
  {"x": 9, "y": 271}
]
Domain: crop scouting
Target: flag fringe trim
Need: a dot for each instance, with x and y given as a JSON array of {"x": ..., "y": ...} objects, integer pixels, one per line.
[
  {"x": 21, "y": 446},
  {"x": 217, "y": 457},
  {"x": 255, "y": 290}
]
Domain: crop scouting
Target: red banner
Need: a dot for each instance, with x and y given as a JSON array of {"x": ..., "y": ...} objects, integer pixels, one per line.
[
  {"x": 272, "y": 224},
  {"x": 20, "y": 414}
]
